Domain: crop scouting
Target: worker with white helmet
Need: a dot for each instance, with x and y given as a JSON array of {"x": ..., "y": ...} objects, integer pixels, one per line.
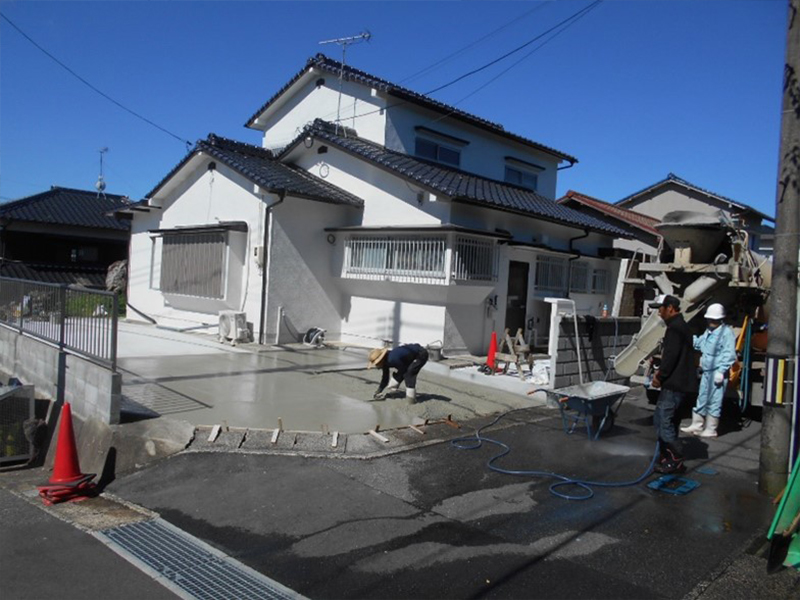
[{"x": 718, "y": 348}]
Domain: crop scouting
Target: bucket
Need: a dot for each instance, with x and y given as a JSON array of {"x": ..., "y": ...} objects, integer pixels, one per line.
[{"x": 434, "y": 351}]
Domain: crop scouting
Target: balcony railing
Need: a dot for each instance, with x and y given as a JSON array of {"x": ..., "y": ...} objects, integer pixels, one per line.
[
  {"x": 79, "y": 320},
  {"x": 420, "y": 259}
]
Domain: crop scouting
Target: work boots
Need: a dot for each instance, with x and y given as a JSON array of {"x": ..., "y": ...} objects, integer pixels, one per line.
[
  {"x": 411, "y": 395},
  {"x": 671, "y": 462},
  {"x": 698, "y": 422},
  {"x": 710, "y": 430}
]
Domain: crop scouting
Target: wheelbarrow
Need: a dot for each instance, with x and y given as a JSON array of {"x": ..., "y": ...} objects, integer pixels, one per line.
[{"x": 591, "y": 404}]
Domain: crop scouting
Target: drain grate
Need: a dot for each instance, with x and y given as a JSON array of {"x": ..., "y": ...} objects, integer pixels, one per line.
[{"x": 192, "y": 568}]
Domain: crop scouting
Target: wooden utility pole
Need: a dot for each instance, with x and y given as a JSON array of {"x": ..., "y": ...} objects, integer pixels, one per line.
[{"x": 780, "y": 399}]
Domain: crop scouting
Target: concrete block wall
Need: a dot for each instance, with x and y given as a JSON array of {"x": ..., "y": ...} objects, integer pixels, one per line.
[
  {"x": 94, "y": 391},
  {"x": 600, "y": 340}
]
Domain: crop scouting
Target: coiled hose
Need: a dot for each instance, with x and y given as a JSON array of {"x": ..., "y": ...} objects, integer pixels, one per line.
[{"x": 475, "y": 441}]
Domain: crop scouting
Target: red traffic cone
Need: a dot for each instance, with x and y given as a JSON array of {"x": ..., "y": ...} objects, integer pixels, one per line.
[
  {"x": 490, "y": 359},
  {"x": 67, "y": 481}
]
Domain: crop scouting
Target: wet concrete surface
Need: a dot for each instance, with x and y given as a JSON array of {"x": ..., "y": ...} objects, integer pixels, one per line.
[{"x": 197, "y": 379}]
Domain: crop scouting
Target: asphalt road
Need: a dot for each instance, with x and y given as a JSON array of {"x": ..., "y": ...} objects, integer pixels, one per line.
[{"x": 436, "y": 522}]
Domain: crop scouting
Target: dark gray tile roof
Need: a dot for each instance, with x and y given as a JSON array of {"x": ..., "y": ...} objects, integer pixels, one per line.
[
  {"x": 457, "y": 184},
  {"x": 323, "y": 63},
  {"x": 65, "y": 206},
  {"x": 260, "y": 166},
  {"x": 672, "y": 178},
  {"x": 94, "y": 277}
]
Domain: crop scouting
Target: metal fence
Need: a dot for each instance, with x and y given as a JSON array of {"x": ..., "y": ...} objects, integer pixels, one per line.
[
  {"x": 474, "y": 260},
  {"x": 76, "y": 319}
]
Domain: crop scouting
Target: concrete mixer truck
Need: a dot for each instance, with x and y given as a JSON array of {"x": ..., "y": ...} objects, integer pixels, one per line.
[{"x": 703, "y": 259}]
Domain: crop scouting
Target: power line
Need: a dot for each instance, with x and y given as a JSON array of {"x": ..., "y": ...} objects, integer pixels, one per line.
[
  {"x": 93, "y": 88},
  {"x": 451, "y": 56},
  {"x": 524, "y": 57},
  {"x": 471, "y": 45},
  {"x": 564, "y": 24},
  {"x": 515, "y": 50}
]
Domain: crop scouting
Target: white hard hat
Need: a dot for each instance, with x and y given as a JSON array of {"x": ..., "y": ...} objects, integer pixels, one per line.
[{"x": 715, "y": 312}]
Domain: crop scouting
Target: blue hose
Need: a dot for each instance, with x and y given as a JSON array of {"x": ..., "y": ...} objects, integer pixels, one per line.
[{"x": 476, "y": 441}]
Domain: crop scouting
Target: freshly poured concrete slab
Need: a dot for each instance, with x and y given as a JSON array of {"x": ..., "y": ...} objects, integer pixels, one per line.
[{"x": 303, "y": 389}]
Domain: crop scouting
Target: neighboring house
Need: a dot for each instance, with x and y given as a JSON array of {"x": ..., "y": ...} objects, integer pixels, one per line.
[
  {"x": 420, "y": 223},
  {"x": 644, "y": 238},
  {"x": 641, "y": 247},
  {"x": 62, "y": 236},
  {"x": 674, "y": 193}
]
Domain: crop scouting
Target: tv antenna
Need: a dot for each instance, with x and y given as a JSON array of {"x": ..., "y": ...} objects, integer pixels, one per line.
[
  {"x": 344, "y": 42},
  {"x": 101, "y": 184}
]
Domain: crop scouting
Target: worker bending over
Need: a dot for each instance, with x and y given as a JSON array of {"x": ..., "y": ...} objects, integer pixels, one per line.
[
  {"x": 407, "y": 360},
  {"x": 719, "y": 353}
]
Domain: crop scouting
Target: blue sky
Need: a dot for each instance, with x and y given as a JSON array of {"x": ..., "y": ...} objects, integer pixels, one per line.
[{"x": 634, "y": 89}]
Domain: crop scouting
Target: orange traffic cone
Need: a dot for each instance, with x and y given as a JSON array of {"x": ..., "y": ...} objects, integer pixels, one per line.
[
  {"x": 67, "y": 481},
  {"x": 490, "y": 359}
]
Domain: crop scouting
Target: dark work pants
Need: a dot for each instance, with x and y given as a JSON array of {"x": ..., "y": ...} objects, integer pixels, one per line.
[
  {"x": 664, "y": 419},
  {"x": 410, "y": 376}
]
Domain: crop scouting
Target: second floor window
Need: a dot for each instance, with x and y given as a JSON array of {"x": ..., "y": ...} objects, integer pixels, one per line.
[
  {"x": 425, "y": 148},
  {"x": 522, "y": 178}
]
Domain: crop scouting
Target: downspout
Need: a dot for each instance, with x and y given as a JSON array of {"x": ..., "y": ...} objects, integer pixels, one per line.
[
  {"x": 262, "y": 319},
  {"x": 573, "y": 258}
]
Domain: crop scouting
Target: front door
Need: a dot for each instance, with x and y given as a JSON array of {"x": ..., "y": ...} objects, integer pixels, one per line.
[{"x": 517, "y": 297}]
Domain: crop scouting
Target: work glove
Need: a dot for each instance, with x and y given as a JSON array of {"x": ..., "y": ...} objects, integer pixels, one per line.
[
  {"x": 378, "y": 395},
  {"x": 719, "y": 379}
]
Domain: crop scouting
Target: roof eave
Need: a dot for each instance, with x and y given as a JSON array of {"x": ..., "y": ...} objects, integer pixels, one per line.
[{"x": 555, "y": 221}]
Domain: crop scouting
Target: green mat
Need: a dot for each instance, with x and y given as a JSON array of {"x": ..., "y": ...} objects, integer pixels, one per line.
[{"x": 784, "y": 539}]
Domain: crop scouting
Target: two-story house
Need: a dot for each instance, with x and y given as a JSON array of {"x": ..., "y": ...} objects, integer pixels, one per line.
[{"x": 370, "y": 211}]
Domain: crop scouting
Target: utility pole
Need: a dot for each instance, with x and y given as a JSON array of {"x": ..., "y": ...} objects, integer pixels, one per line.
[{"x": 780, "y": 398}]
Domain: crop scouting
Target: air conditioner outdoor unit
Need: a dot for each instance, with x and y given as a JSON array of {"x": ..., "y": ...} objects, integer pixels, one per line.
[{"x": 233, "y": 327}]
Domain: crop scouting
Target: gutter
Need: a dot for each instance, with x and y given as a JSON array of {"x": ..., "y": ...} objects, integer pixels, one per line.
[
  {"x": 571, "y": 164},
  {"x": 571, "y": 259}
]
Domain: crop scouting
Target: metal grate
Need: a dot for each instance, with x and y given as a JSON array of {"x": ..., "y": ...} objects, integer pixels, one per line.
[
  {"x": 193, "y": 569},
  {"x": 16, "y": 407}
]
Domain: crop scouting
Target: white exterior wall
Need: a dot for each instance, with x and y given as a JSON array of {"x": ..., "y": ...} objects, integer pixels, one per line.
[
  {"x": 485, "y": 154},
  {"x": 291, "y": 113},
  {"x": 203, "y": 198},
  {"x": 388, "y": 200},
  {"x": 371, "y": 320},
  {"x": 302, "y": 283}
]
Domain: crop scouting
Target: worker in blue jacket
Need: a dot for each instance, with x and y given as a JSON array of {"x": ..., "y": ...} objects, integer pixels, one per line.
[
  {"x": 407, "y": 360},
  {"x": 718, "y": 347}
]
